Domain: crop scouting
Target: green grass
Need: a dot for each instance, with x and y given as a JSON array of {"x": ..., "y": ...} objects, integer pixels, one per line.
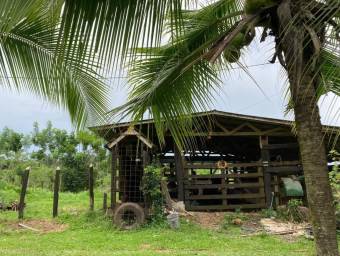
[{"x": 94, "y": 234}]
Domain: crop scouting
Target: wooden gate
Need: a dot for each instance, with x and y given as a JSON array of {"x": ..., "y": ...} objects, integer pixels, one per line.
[{"x": 207, "y": 186}]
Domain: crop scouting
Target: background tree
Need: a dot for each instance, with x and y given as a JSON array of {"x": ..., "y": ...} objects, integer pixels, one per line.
[
  {"x": 45, "y": 149},
  {"x": 173, "y": 80}
]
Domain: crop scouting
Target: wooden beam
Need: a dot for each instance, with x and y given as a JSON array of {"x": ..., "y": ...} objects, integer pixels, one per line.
[
  {"x": 224, "y": 207},
  {"x": 231, "y": 175},
  {"x": 265, "y": 157},
  {"x": 285, "y": 170},
  {"x": 229, "y": 196},
  {"x": 218, "y": 124},
  {"x": 237, "y": 133},
  {"x": 238, "y": 128},
  {"x": 271, "y": 131},
  {"x": 253, "y": 127},
  {"x": 281, "y": 146},
  {"x": 131, "y": 132},
  {"x": 179, "y": 165},
  {"x": 113, "y": 189}
]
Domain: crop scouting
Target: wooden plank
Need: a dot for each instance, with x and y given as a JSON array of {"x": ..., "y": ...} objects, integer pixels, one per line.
[
  {"x": 284, "y": 169},
  {"x": 228, "y": 196},
  {"x": 188, "y": 185},
  {"x": 213, "y": 165},
  {"x": 268, "y": 187},
  {"x": 281, "y": 146},
  {"x": 261, "y": 185},
  {"x": 224, "y": 207},
  {"x": 231, "y": 175},
  {"x": 284, "y": 163}
]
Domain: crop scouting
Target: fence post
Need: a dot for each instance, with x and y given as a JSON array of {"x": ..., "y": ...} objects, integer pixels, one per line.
[
  {"x": 91, "y": 184},
  {"x": 24, "y": 184},
  {"x": 113, "y": 177},
  {"x": 56, "y": 192},
  {"x": 105, "y": 202}
]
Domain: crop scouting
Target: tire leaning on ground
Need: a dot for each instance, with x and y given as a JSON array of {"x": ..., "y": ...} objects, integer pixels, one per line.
[{"x": 134, "y": 213}]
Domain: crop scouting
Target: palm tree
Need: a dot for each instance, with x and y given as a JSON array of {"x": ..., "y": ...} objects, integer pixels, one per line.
[
  {"x": 174, "y": 79},
  {"x": 33, "y": 59}
]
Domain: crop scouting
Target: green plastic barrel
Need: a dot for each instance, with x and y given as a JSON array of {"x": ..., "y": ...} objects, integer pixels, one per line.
[{"x": 292, "y": 188}]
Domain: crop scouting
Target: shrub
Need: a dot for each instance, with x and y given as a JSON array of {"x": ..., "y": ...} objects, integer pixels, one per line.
[
  {"x": 75, "y": 172},
  {"x": 151, "y": 188},
  {"x": 293, "y": 212},
  {"x": 269, "y": 213}
]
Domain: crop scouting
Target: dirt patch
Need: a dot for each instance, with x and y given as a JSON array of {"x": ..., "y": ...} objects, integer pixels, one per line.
[
  {"x": 287, "y": 230},
  {"x": 40, "y": 226},
  {"x": 252, "y": 224},
  {"x": 209, "y": 220}
]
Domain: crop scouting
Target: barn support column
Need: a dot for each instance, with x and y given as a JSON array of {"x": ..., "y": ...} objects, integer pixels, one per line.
[
  {"x": 146, "y": 157},
  {"x": 265, "y": 157},
  {"x": 179, "y": 165},
  {"x": 114, "y": 176}
]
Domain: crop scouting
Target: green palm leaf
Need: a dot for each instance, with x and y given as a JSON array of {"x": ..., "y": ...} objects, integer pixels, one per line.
[
  {"x": 109, "y": 29},
  {"x": 176, "y": 81},
  {"x": 30, "y": 61}
]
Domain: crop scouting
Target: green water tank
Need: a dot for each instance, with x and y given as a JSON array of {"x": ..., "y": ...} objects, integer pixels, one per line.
[{"x": 292, "y": 188}]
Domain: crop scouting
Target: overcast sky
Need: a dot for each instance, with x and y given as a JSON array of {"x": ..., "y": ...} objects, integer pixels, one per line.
[{"x": 239, "y": 94}]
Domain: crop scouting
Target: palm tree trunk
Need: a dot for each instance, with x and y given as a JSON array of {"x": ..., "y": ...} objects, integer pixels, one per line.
[
  {"x": 303, "y": 81},
  {"x": 314, "y": 162}
]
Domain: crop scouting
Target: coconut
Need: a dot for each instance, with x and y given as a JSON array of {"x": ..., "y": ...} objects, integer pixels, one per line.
[
  {"x": 253, "y": 6},
  {"x": 232, "y": 55},
  {"x": 249, "y": 36},
  {"x": 238, "y": 41}
]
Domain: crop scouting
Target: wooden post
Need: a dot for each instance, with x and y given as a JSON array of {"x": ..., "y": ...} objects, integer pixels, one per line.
[
  {"x": 224, "y": 189},
  {"x": 24, "y": 183},
  {"x": 146, "y": 158},
  {"x": 105, "y": 202},
  {"x": 267, "y": 176},
  {"x": 179, "y": 165},
  {"x": 91, "y": 184},
  {"x": 113, "y": 177},
  {"x": 56, "y": 192}
]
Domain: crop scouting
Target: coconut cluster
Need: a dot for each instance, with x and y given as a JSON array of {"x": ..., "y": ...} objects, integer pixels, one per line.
[
  {"x": 253, "y": 6},
  {"x": 233, "y": 52}
]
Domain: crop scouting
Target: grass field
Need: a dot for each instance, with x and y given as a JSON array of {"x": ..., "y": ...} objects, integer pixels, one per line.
[{"x": 93, "y": 234}]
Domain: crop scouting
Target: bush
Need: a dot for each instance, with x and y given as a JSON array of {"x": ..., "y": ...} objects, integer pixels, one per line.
[
  {"x": 8, "y": 194},
  {"x": 151, "y": 188},
  {"x": 293, "y": 211},
  {"x": 269, "y": 213},
  {"x": 75, "y": 173}
]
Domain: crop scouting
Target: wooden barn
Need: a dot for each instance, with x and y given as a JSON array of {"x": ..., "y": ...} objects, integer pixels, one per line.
[{"x": 238, "y": 161}]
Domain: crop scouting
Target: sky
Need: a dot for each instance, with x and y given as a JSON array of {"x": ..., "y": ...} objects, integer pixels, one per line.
[{"x": 238, "y": 93}]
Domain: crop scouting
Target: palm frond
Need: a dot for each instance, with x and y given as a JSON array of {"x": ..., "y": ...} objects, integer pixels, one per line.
[
  {"x": 109, "y": 29},
  {"x": 173, "y": 81},
  {"x": 28, "y": 54}
]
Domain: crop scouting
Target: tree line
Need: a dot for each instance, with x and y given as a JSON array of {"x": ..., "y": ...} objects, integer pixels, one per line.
[{"x": 45, "y": 149}]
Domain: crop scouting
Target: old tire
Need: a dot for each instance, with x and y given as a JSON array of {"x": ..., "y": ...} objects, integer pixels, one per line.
[{"x": 129, "y": 216}]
